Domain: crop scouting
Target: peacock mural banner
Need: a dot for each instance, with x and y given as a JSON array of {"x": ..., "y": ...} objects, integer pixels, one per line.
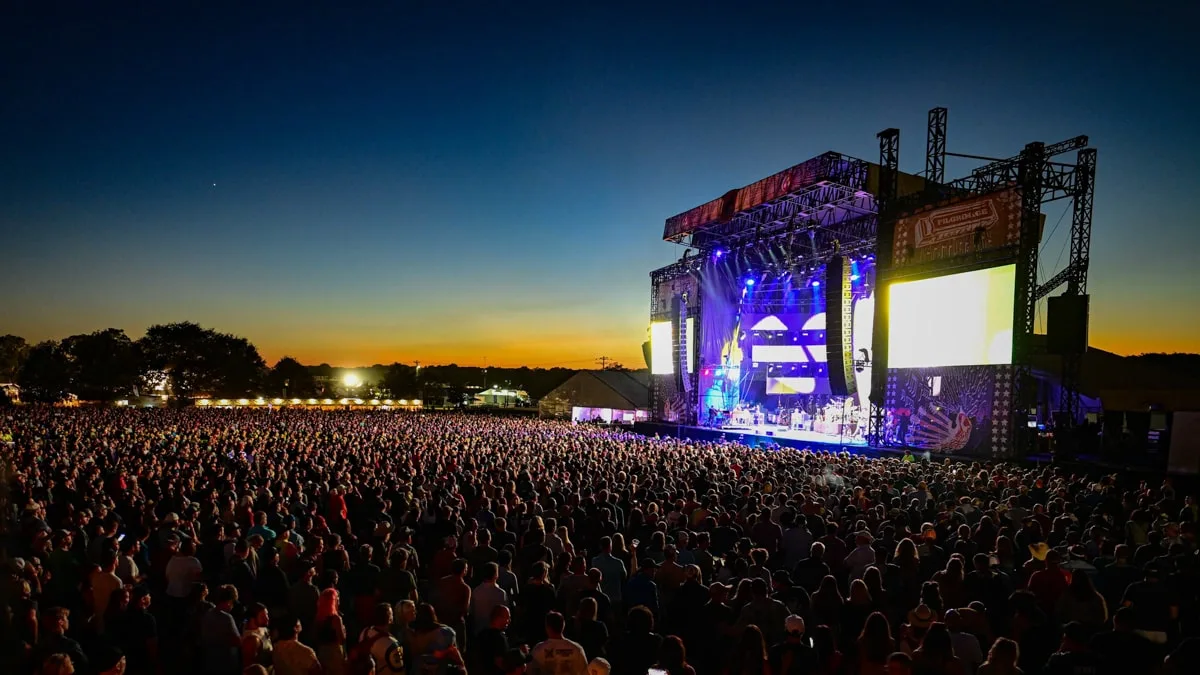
[{"x": 950, "y": 410}]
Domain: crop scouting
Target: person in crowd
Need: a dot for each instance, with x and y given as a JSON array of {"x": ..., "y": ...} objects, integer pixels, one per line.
[
  {"x": 936, "y": 656},
  {"x": 965, "y": 644},
  {"x": 642, "y": 591},
  {"x": 257, "y": 647},
  {"x": 54, "y": 641},
  {"x": 1002, "y": 659},
  {"x": 1124, "y": 649},
  {"x": 452, "y": 599},
  {"x": 491, "y": 645},
  {"x": 672, "y": 657},
  {"x": 750, "y": 655},
  {"x": 220, "y": 638},
  {"x": 433, "y": 644},
  {"x": 486, "y": 597},
  {"x": 557, "y": 655},
  {"x": 1153, "y": 605},
  {"x": 1081, "y": 603},
  {"x": 636, "y": 649},
  {"x": 899, "y": 663},
  {"x": 874, "y": 646},
  {"x": 1074, "y": 655},
  {"x": 289, "y": 656},
  {"x": 377, "y": 645},
  {"x": 587, "y": 630},
  {"x": 330, "y": 629},
  {"x": 795, "y": 655}
]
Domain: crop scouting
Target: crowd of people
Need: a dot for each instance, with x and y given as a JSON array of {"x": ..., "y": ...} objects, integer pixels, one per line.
[{"x": 219, "y": 542}]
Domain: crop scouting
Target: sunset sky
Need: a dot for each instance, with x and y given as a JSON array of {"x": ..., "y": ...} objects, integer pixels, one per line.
[{"x": 469, "y": 182}]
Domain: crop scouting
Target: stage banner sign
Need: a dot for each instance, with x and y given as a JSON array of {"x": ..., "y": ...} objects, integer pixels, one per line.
[
  {"x": 724, "y": 207},
  {"x": 717, "y": 211},
  {"x": 969, "y": 226},
  {"x": 776, "y": 186}
]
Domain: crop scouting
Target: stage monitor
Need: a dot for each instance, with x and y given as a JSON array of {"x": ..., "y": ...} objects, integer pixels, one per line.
[
  {"x": 954, "y": 320},
  {"x": 662, "y": 348}
]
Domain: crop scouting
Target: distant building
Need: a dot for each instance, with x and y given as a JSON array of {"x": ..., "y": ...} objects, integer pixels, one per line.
[
  {"x": 615, "y": 396},
  {"x": 502, "y": 396}
]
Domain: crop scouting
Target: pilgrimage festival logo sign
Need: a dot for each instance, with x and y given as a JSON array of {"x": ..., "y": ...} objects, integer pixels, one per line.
[{"x": 970, "y": 226}]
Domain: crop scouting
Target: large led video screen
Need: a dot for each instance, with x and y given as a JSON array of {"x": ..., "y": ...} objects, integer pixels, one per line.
[
  {"x": 955, "y": 320},
  {"x": 662, "y": 348}
]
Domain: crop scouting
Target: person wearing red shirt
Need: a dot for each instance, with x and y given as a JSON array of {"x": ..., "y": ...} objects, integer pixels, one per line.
[{"x": 1050, "y": 583}]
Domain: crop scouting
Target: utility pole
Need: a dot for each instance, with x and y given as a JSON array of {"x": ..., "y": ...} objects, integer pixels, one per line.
[{"x": 603, "y": 361}]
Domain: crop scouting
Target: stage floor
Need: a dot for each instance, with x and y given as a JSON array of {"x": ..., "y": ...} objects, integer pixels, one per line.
[
  {"x": 776, "y": 431},
  {"x": 767, "y": 434},
  {"x": 768, "y": 431}
]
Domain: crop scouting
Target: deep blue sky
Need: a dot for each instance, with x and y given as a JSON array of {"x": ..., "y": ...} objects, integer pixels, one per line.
[{"x": 400, "y": 180}]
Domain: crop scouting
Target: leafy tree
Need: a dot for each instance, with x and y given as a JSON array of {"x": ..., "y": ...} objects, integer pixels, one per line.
[
  {"x": 290, "y": 378},
  {"x": 200, "y": 360},
  {"x": 400, "y": 381},
  {"x": 45, "y": 375},
  {"x": 102, "y": 365},
  {"x": 13, "y": 350},
  {"x": 456, "y": 395}
]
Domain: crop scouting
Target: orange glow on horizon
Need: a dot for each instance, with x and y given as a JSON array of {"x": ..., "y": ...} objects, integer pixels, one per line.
[{"x": 579, "y": 353}]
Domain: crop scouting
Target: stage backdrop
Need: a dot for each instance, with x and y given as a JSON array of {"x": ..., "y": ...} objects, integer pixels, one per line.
[
  {"x": 720, "y": 355},
  {"x": 800, "y": 357},
  {"x": 951, "y": 410}
]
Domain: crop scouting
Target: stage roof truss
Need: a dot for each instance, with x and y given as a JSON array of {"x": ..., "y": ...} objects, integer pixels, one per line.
[
  {"x": 1059, "y": 180},
  {"x": 837, "y": 192}
]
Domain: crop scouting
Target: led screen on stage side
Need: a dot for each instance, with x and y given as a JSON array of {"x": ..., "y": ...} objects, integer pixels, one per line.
[
  {"x": 662, "y": 348},
  {"x": 955, "y": 320}
]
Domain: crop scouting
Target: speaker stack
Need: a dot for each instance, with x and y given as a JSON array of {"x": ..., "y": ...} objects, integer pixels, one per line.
[{"x": 839, "y": 318}]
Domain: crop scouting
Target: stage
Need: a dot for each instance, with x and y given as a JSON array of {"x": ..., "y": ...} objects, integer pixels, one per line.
[
  {"x": 799, "y": 435},
  {"x": 763, "y": 434}
]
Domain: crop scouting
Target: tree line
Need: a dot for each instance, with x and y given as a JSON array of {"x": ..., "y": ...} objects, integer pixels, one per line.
[{"x": 185, "y": 360}]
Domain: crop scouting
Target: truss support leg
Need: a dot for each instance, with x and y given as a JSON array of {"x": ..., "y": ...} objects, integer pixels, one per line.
[
  {"x": 1029, "y": 178},
  {"x": 935, "y": 150},
  {"x": 889, "y": 177}
]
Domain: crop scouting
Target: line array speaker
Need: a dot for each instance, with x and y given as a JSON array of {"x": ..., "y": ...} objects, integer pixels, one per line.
[{"x": 839, "y": 342}]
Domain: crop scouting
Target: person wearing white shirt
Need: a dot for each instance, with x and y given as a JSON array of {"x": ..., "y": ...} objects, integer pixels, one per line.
[
  {"x": 557, "y": 655},
  {"x": 183, "y": 571},
  {"x": 862, "y": 557},
  {"x": 486, "y": 597}
]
